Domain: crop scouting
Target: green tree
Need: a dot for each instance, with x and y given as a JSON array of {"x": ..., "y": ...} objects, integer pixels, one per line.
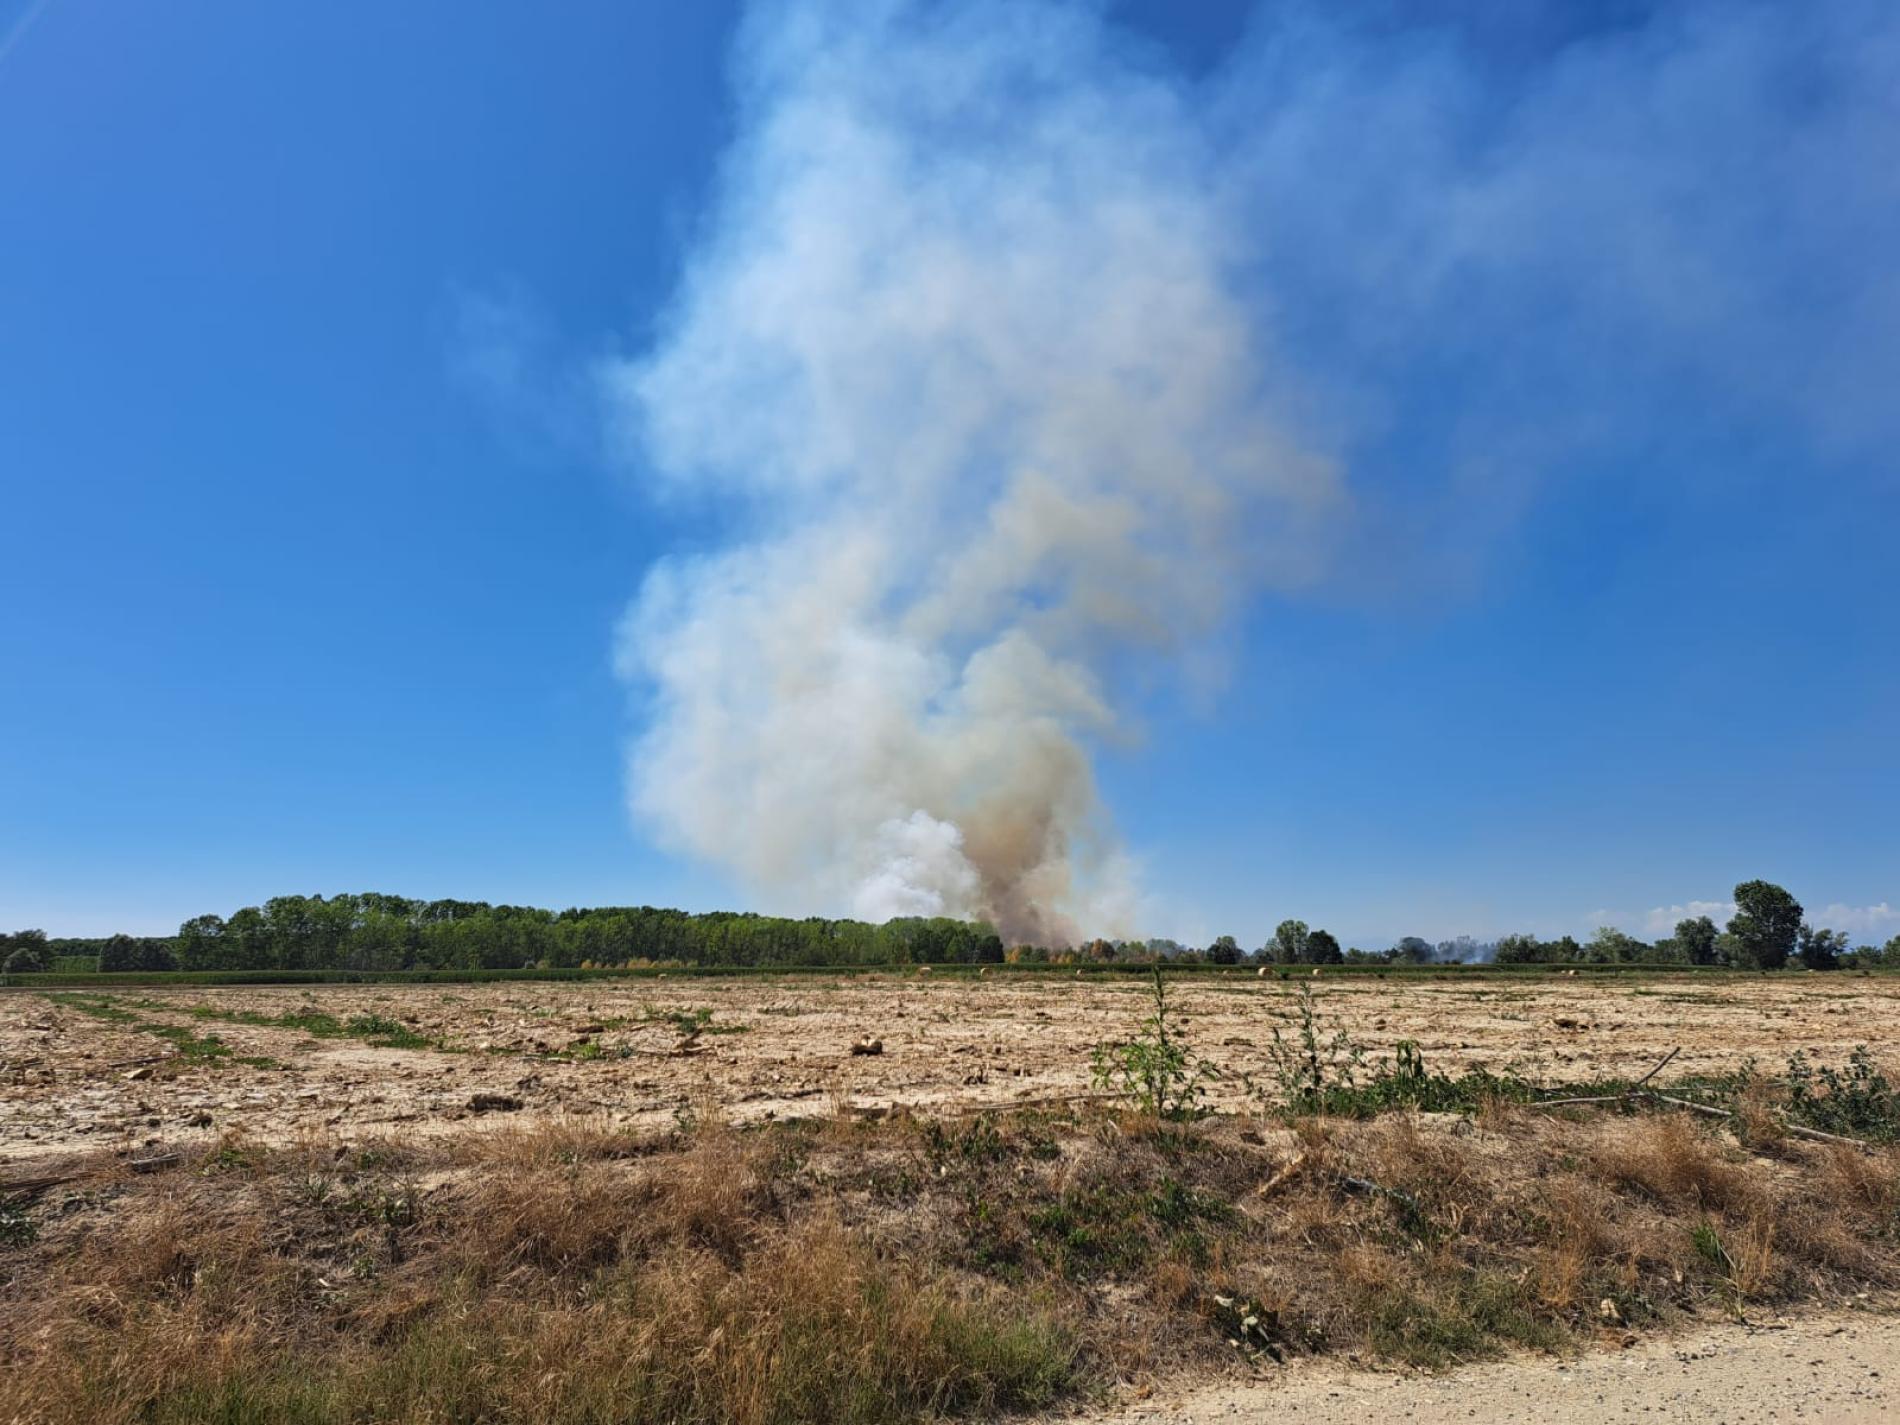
[
  {"x": 1695, "y": 940},
  {"x": 201, "y": 944},
  {"x": 1820, "y": 949},
  {"x": 1519, "y": 950},
  {"x": 1321, "y": 949},
  {"x": 1289, "y": 939},
  {"x": 1413, "y": 950},
  {"x": 24, "y": 952},
  {"x": 1224, "y": 951},
  {"x": 136, "y": 952},
  {"x": 1765, "y": 926},
  {"x": 1610, "y": 946}
]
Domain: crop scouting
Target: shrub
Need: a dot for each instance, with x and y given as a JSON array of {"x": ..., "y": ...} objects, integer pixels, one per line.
[
  {"x": 1156, "y": 1071},
  {"x": 1858, "y": 1101}
]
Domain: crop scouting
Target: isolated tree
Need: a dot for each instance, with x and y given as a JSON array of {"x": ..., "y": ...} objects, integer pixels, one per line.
[
  {"x": 1321, "y": 949},
  {"x": 1224, "y": 951},
  {"x": 1289, "y": 939},
  {"x": 1695, "y": 940},
  {"x": 1766, "y": 923}
]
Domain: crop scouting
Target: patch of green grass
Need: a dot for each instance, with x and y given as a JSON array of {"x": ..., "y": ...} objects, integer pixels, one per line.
[
  {"x": 193, "y": 1049},
  {"x": 1473, "y": 1319},
  {"x": 1106, "y": 1230},
  {"x": 690, "y": 1021},
  {"x": 386, "y": 1033},
  {"x": 97, "y": 1006},
  {"x": 375, "y": 1029},
  {"x": 16, "y": 1228}
]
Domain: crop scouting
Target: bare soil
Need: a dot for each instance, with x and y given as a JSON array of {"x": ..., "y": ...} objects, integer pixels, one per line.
[
  {"x": 1841, "y": 1368},
  {"x": 781, "y": 1047}
]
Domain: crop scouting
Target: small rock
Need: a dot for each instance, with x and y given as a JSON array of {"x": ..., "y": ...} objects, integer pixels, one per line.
[
  {"x": 138, "y": 1075},
  {"x": 868, "y": 1046}
]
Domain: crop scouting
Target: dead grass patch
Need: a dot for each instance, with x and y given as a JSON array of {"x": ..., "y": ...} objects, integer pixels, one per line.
[{"x": 896, "y": 1270}]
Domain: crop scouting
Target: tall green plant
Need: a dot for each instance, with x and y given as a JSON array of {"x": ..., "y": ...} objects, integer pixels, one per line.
[{"x": 1156, "y": 1071}]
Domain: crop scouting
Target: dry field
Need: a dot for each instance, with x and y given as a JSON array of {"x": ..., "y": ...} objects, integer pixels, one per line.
[
  {"x": 688, "y": 1200},
  {"x": 781, "y": 1047}
]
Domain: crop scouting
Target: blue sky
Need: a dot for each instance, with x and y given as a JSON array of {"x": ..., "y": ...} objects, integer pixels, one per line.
[{"x": 318, "y": 539}]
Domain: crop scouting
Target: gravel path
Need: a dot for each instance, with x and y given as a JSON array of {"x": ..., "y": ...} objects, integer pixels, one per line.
[{"x": 1833, "y": 1368}]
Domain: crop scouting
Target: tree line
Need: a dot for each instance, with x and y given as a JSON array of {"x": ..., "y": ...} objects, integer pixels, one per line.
[
  {"x": 372, "y": 931},
  {"x": 1768, "y": 931}
]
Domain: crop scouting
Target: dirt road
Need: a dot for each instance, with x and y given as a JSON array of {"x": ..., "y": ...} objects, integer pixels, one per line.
[{"x": 1840, "y": 1369}]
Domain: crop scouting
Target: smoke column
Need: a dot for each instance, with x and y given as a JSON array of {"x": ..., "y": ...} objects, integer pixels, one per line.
[
  {"x": 1010, "y": 364},
  {"x": 962, "y": 351}
]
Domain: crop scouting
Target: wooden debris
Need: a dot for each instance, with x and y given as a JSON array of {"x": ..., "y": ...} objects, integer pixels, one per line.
[
  {"x": 23, "y": 1186},
  {"x": 1637, "y": 1091}
]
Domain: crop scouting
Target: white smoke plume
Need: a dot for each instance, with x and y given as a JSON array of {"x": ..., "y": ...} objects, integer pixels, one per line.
[
  {"x": 991, "y": 418},
  {"x": 1010, "y": 364}
]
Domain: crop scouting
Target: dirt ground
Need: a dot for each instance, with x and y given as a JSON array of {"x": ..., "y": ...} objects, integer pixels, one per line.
[
  {"x": 781, "y": 1047},
  {"x": 1839, "y": 1368}
]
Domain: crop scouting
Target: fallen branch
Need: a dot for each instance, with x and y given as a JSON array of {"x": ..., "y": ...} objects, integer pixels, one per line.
[
  {"x": 1624, "y": 1097},
  {"x": 1706, "y": 1110},
  {"x": 1657, "y": 1070},
  {"x": 1794, "y": 1130},
  {"x": 33, "y": 1185},
  {"x": 1801, "y": 1130}
]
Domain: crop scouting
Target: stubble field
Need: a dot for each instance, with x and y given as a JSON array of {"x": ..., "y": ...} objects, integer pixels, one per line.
[
  {"x": 890, "y": 1198},
  {"x": 143, "y": 1070}
]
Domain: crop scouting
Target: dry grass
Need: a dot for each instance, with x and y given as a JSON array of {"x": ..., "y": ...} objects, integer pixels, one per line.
[
  {"x": 892, "y": 1271},
  {"x": 1672, "y": 1158}
]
